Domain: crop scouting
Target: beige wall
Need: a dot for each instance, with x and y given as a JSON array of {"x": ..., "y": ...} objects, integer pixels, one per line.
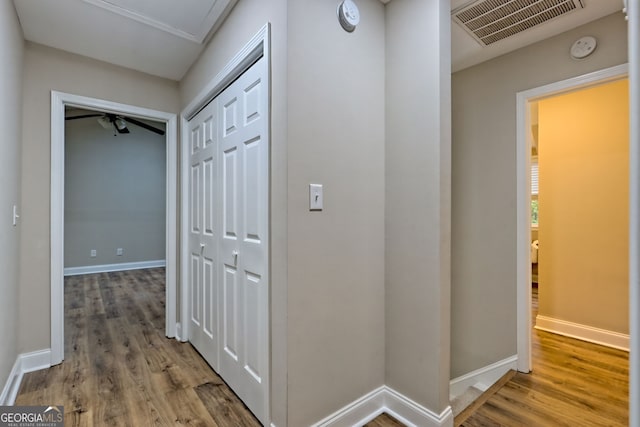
[
  {"x": 418, "y": 172},
  {"x": 484, "y": 184},
  {"x": 584, "y": 207},
  {"x": 329, "y": 115},
  {"x": 336, "y": 122},
  {"x": 244, "y": 21},
  {"x": 11, "y": 58},
  {"x": 115, "y": 193},
  {"x": 48, "y": 69}
]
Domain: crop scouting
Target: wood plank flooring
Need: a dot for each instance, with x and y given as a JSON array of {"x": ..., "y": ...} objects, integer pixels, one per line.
[
  {"x": 120, "y": 369},
  {"x": 573, "y": 383},
  {"x": 384, "y": 420}
]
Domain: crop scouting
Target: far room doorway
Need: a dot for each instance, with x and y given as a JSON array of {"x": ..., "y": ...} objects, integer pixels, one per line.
[
  {"x": 573, "y": 240},
  {"x": 114, "y": 228},
  {"x": 89, "y": 206}
]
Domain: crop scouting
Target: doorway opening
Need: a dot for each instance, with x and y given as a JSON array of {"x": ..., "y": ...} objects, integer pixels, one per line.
[
  {"x": 59, "y": 103},
  {"x": 525, "y": 144}
]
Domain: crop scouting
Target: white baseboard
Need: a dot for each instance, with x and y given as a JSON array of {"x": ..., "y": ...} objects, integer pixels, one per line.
[
  {"x": 386, "y": 400},
  {"x": 412, "y": 413},
  {"x": 583, "y": 332},
  {"x": 10, "y": 390},
  {"x": 106, "y": 268},
  {"x": 180, "y": 336},
  {"x": 27, "y": 362},
  {"x": 482, "y": 378}
]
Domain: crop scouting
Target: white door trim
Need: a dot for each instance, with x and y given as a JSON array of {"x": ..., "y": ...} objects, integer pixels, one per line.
[
  {"x": 523, "y": 212},
  {"x": 58, "y": 102},
  {"x": 634, "y": 216},
  {"x": 256, "y": 48}
]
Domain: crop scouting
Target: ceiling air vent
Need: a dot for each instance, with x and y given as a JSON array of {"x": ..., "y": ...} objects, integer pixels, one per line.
[{"x": 489, "y": 21}]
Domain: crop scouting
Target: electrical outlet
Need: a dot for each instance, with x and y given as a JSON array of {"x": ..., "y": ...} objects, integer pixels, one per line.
[
  {"x": 94, "y": 253},
  {"x": 119, "y": 251}
]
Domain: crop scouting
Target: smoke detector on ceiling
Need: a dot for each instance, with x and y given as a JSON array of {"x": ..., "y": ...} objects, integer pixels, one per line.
[
  {"x": 489, "y": 21},
  {"x": 583, "y": 47},
  {"x": 348, "y": 15}
]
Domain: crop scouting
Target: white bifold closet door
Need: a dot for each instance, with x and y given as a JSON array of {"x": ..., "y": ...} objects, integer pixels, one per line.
[{"x": 228, "y": 231}]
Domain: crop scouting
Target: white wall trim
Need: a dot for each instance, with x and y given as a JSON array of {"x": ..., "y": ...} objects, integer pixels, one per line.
[
  {"x": 11, "y": 387},
  {"x": 482, "y": 378},
  {"x": 583, "y": 332},
  {"x": 633, "y": 9},
  {"x": 523, "y": 196},
  {"x": 106, "y": 268},
  {"x": 27, "y": 362},
  {"x": 210, "y": 22},
  {"x": 358, "y": 412},
  {"x": 58, "y": 102},
  {"x": 386, "y": 400}
]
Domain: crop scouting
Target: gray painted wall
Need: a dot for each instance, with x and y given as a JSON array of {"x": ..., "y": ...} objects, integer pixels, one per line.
[
  {"x": 336, "y": 125},
  {"x": 418, "y": 191},
  {"x": 11, "y": 58},
  {"x": 329, "y": 115},
  {"x": 114, "y": 194},
  {"x": 49, "y": 69},
  {"x": 483, "y": 297}
]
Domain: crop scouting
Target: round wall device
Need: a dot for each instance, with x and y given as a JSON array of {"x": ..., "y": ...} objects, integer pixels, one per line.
[
  {"x": 348, "y": 15},
  {"x": 583, "y": 47}
]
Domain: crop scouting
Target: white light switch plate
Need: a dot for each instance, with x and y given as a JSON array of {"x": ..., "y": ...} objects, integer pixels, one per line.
[{"x": 315, "y": 197}]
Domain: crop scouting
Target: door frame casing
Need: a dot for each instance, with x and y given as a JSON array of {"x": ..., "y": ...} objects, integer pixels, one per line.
[
  {"x": 256, "y": 48},
  {"x": 523, "y": 194},
  {"x": 59, "y": 100}
]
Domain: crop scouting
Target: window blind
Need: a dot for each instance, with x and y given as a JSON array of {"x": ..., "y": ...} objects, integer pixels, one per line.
[{"x": 534, "y": 176}]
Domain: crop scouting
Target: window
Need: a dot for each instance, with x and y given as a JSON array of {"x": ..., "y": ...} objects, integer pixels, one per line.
[{"x": 534, "y": 191}]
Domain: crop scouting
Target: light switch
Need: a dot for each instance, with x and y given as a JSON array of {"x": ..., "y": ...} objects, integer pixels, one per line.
[
  {"x": 315, "y": 197},
  {"x": 15, "y": 215}
]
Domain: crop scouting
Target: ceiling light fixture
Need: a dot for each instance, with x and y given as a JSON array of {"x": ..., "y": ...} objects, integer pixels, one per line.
[
  {"x": 105, "y": 122},
  {"x": 120, "y": 123}
]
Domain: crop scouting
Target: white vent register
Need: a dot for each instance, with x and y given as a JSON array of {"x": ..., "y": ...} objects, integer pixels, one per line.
[{"x": 489, "y": 21}]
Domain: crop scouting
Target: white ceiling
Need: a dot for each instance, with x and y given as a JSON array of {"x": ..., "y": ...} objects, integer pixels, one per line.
[
  {"x": 164, "y": 37},
  {"x": 159, "y": 37}
]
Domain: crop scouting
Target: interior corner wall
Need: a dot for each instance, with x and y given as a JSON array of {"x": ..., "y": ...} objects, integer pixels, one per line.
[
  {"x": 48, "y": 69},
  {"x": 583, "y": 155},
  {"x": 483, "y": 296},
  {"x": 242, "y": 23},
  {"x": 336, "y": 123},
  {"x": 11, "y": 58},
  {"x": 418, "y": 170},
  {"x": 115, "y": 194}
]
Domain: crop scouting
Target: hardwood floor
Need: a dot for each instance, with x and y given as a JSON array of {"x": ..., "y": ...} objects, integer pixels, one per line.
[
  {"x": 573, "y": 383},
  {"x": 120, "y": 369},
  {"x": 384, "y": 420}
]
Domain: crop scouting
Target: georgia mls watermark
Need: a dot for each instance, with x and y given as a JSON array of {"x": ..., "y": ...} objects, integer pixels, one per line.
[{"x": 31, "y": 416}]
